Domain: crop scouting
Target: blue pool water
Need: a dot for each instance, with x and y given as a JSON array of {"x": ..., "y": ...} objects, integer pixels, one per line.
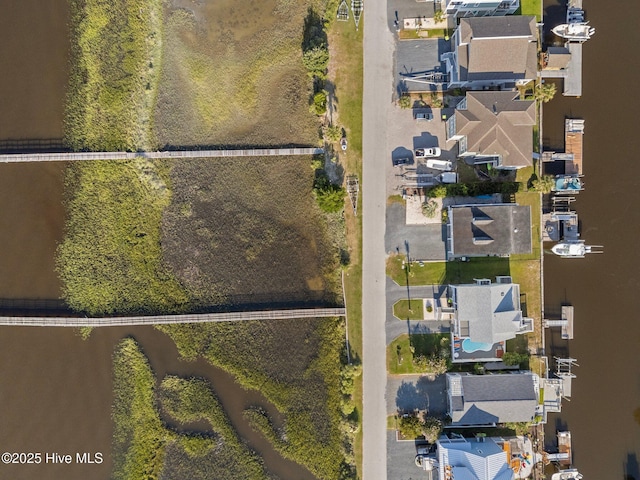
[{"x": 469, "y": 347}]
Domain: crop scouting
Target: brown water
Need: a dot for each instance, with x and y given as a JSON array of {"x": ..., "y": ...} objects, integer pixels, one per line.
[
  {"x": 34, "y": 49},
  {"x": 56, "y": 396},
  {"x": 603, "y": 288}
]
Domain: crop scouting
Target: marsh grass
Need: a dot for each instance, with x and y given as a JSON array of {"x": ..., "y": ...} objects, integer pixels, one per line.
[
  {"x": 233, "y": 75},
  {"x": 139, "y": 435},
  {"x": 296, "y": 365},
  {"x": 247, "y": 231},
  {"x": 144, "y": 447},
  {"x": 110, "y": 258},
  {"x": 116, "y": 51}
]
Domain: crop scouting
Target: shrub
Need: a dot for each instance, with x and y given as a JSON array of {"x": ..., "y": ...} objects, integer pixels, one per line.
[
  {"x": 404, "y": 101},
  {"x": 515, "y": 358},
  {"x": 544, "y": 184},
  {"x": 316, "y": 60},
  {"x": 430, "y": 208},
  {"x": 410, "y": 426},
  {"x": 431, "y": 364},
  {"x": 439, "y": 191},
  {"x": 319, "y": 105},
  {"x": 431, "y": 429},
  {"x": 333, "y": 133}
]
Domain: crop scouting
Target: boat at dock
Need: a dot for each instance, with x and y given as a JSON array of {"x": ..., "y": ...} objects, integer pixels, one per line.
[
  {"x": 574, "y": 249},
  {"x": 570, "y": 474},
  {"x": 580, "y": 32}
]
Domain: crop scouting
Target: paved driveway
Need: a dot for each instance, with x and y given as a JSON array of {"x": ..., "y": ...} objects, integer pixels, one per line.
[
  {"x": 406, "y": 393},
  {"x": 425, "y": 242}
]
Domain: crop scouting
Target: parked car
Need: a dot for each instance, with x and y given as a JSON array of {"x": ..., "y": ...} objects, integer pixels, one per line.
[
  {"x": 423, "y": 116},
  {"x": 427, "y": 152},
  {"x": 398, "y": 162}
]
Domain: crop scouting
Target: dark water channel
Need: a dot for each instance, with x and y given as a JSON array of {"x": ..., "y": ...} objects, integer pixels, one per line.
[
  {"x": 604, "y": 289},
  {"x": 55, "y": 388},
  {"x": 56, "y": 396}
]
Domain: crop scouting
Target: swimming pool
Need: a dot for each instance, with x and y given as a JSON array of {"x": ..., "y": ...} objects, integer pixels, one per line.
[{"x": 469, "y": 347}]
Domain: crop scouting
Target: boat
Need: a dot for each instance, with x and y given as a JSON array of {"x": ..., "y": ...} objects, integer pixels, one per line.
[
  {"x": 570, "y": 474},
  {"x": 580, "y": 32},
  {"x": 356, "y": 8},
  {"x": 439, "y": 165},
  {"x": 574, "y": 249},
  {"x": 343, "y": 143}
]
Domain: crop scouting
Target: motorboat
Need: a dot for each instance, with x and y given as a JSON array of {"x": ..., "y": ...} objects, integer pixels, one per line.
[
  {"x": 574, "y": 249},
  {"x": 443, "y": 165},
  {"x": 580, "y": 32},
  {"x": 570, "y": 474}
]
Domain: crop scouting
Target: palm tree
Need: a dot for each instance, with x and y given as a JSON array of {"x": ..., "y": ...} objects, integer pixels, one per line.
[
  {"x": 438, "y": 16},
  {"x": 545, "y": 91}
]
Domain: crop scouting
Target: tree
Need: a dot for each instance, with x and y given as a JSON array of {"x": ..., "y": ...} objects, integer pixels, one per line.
[
  {"x": 438, "y": 16},
  {"x": 430, "y": 208},
  {"x": 431, "y": 429},
  {"x": 545, "y": 92},
  {"x": 514, "y": 358},
  {"x": 330, "y": 198},
  {"x": 316, "y": 60},
  {"x": 544, "y": 184},
  {"x": 404, "y": 101},
  {"x": 410, "y": 427},
  {"x": 333, "y": 133},
  {"x": 319, "y": 105}
]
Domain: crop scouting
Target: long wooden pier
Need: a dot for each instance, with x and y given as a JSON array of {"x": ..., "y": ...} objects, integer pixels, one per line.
[
  {"x": 165, "y": 319},
  {"x": 166, "y": 154}
]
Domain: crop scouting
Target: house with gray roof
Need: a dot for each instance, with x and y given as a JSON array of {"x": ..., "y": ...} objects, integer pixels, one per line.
[
  {"x": 493, "y": 52},
  {"x": 483, "y": 230},
  {"x": 484, "y": 316},
  {"x": 482, "y": 458},
  {"x": 475, "y": 400},
  {"x": 494, "y": 128}
]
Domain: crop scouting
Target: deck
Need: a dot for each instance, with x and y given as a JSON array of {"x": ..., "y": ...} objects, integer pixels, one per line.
[{"x": 565, "y": 322}]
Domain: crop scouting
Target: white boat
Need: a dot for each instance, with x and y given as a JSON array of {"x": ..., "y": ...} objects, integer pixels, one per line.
[
  {"x": 574, "y": 31},
  {"x": 574, "y": 249},
  {"x": 439, "y": 165},
  {"x": 571, "y": 474}
]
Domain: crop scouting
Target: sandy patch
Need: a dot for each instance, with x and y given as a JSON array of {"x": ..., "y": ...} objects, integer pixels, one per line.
[{"x": 414, "y": 215}]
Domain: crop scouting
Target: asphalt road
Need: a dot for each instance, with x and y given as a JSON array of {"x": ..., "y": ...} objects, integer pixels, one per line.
[{"x": 377, "y": 100}]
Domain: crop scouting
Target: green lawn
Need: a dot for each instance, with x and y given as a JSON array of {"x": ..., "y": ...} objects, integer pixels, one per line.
[
  {"x": 399, "y": 354},
  {"x": 409, "y": 309},
  {"x": 531, "y": 7},
  {"x": 442, "y": 273}
]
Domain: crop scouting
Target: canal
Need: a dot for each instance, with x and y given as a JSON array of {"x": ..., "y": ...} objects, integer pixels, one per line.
[{"x": 603, "y": 288}]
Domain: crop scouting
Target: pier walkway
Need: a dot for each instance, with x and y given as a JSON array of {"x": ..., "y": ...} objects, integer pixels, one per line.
[
  {"x": 165, "y": 319},
  {"x": 167, "y": 154}
]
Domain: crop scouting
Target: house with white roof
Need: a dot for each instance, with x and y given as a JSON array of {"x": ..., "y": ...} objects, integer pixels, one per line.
[{"x": 485, "y": 315}]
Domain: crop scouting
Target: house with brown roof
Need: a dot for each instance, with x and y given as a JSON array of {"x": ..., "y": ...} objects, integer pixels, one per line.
[
  {"x": 494, "y": 128},
  {"x": 493, "y": 52}
]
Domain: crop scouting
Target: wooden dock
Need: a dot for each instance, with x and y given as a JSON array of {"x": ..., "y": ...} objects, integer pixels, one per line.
[
  {"x": 573, "y": 139},
  {"x": 166, "y": 319},
  {"x": 565, "y": 322},
  {"x": 167, "y": 154}
]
